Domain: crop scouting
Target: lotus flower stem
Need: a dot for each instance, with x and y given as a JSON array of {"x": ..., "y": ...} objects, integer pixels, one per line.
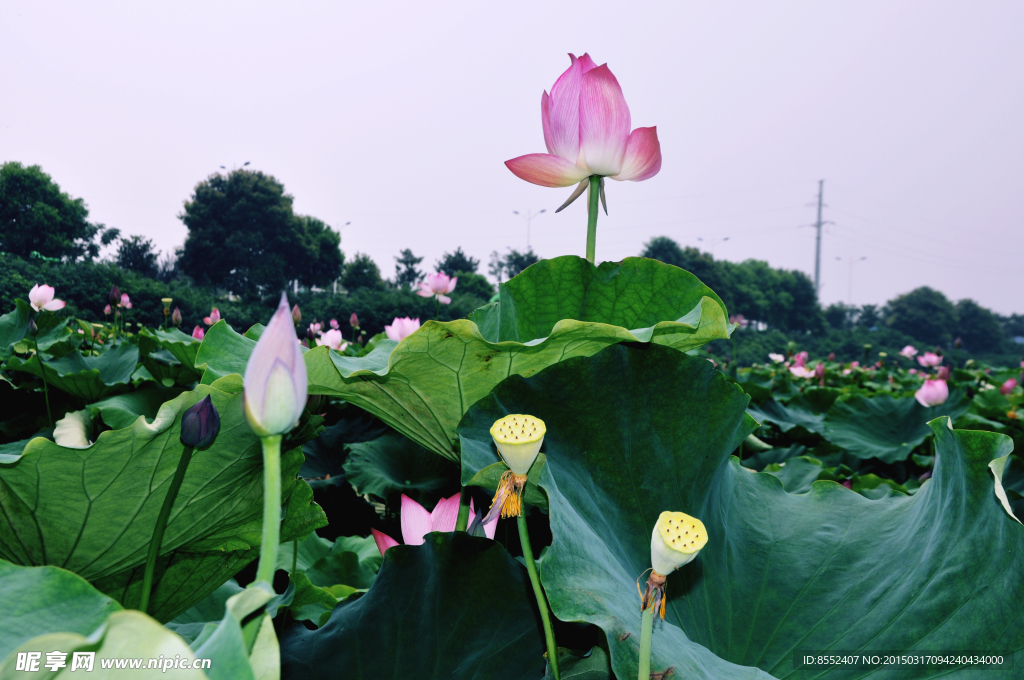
[
  {"x": 462, "y": 523},
  {"x": 646, "y": 634},
  {"x": 46, "y": 387},
  {"x": 542, "y": 604},
  {"x": 595, "y": 192},
  {"x": 295, "y": 556},
  {"x": 271, "y": 508},
  {"x": 161, "y": 525}
]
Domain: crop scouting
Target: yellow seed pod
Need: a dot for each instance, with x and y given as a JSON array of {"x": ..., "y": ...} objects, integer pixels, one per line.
[
  {"x": 676, "y": 540},
  {"x": 518, "y": 438}
]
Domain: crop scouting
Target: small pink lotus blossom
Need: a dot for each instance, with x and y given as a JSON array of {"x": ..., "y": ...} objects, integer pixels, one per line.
[
  {"x": 417, "y": 522},
  {"x": 854, "y": 364},
  {"x": 314, "y": 330},
  {"x": 776, "y": 358},
  {"x": 929, "y": 359},
  {"x": 932, "y": 393},
  {"x": 1008, "y": 386},
  {"x": 107, "y": 310},
  {"x": 296, "y": 314},
  {"x": 739, "y": 320},
  {"x": 909, "y": 351},
  {"x": 912, "y": 371},
  {"x": 41, "y": 297},
  {"x": 125, "y": 301},
  {"x": 401, "y": 328},
  {"x": 334, "y": 324},
  {"x": 942, "y": 373},
  {"x": 586, "y": 125},
  {"x": 438, "y": 285},
  {"x": 275, "y": 377},
  {"x": 819, "y": 373},
  {"x": 800, "y": 359},
  {"x": 353, "y": 320},
  {"x": 332, "y": 339},
  {"x": 847, "y": 371},
  {"x": 801, "y": 371},
  {"x": 198, "y": 333},
  {"x": 213, "y": 318},
  {"x": 831, "y": 356}
]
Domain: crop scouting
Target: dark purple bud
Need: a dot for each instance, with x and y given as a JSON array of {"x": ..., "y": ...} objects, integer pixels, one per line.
[
  {"x": 176, "y": 317},
  {"x": 958, "y": 343},
  {"x": 115, "y": 296},
  {"x": 33, "y": 329},
  {"x": 200, "y": 424}
]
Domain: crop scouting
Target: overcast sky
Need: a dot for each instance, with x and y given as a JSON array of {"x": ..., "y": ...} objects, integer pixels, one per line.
[{"x": 397, "y": 117}]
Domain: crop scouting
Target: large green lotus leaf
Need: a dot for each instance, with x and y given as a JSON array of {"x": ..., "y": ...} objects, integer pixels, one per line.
[
  {"x": 634, "y": 431},
  {"x": 555, "y": 310},
  {"x": 91, "y": 377},
  {"x": 52, "y": 329},
  {"x": 455, "y": 607},
  {"x": 392, "y": 464},
  {"x": 885, "y": 427},
  {"x": 122, "y": 410},
  {"x": 788, "y": 416},
  {"x": 92, "y": 510},
  {"x": 13, "y": 326},
  {"x": 181, "y": 345},
  {"x": 125, "y": 636},
  {"x": 40, "y": 600}
]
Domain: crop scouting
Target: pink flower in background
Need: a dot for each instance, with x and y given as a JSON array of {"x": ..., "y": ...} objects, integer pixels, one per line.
[
  {"x": 401, "y": 328},
  {"x": 929, "y": 359},
  {"x": 776, "y": 358},
  {"x": 107, "y": 310},
  {"x": 819, "y": 373},
  {"x": 1008, "y": 386},
  {"x": 41, "y": 297},
  {"x": 912, "y": 371},
  {"x": 942, "y": 373},
  {"x": 800, "y": 359},
  {"x": 314, "y": 330},
  {"x": 801, "y": 371},
  {"x": 909, "y": 351},
  {"x": 198, "y": 333},
  {"x": 438, "y": 285},
  {"x": 739, "y": 320},
  {"x": 586, "y": 125},
  {"x": 854, "y": 364},
  {"x": 831, "y": 356},
  {"x": 213, "y": 318},
  {"x": 334, "y": 324},
  {"x": 417, "y": 522},
  {"x": 332, "y": 339},
  {"x": 125, "y": 301},
  {"x": 932, "y": 393},
  {"x": 296, "y": 314},
  {"x": 353, "y": 320}
]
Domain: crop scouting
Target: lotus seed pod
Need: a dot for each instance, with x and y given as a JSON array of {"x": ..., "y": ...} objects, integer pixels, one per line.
[
  {"x": 518, "y": 438},
  {"x": 676, "y": 540}
]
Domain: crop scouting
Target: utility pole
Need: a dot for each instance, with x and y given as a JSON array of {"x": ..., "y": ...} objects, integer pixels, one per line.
[
  {"x": 529, "y": 218},
  {"x": 817, "y": 247}
]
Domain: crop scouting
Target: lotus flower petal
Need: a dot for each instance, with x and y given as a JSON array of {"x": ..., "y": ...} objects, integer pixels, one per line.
[
  {"x": 643, "y": 156},
  {"x": 445, "y": 514},
  {"x": 275, "y": 377},
  {"x": 416, "y": 521},
  {"x": 932, "y": 393},
  {"x": 546, "y": 170},
  {"x": 564, "y": 112},
  {"x": 383, "y": 541},
  {"x": 604, "y": 123}
]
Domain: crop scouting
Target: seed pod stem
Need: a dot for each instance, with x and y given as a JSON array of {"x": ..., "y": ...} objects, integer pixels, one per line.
[
  {"x": 542, "y": 603},
  {"x": 161, "y": 526}
]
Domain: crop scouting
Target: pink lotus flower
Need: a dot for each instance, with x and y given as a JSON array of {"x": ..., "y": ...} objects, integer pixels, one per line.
[
  {"x": 942, "y": 373},
  {"x": 314, "y": 330},
  {"x": 296, "y": 314},
  {"x": 912, "y": 371},
  {"x": 353, "y": 320},
  {"x": 334, "y": 324},
  {"x": 332, "y": 339},
  {"x": 213, "y": 318},
  {"x": 929, "y": 359},
  {"x": 854, "y": 364},
  {"x": 776, "y": 358},
  {"x": 125, "y": 301},
  {"x": 831, "y": 356},
  {"x": 275, "y": 377},
  {"x": 909, "y": 351},
  {"x": 819, "y": 373},
  {"x": 586, "y": 131},
  {"x": 1008, "y": 386},
  {"x": 41, "y": 297},
  {"x": 800, "y": 359},
  {"x": 107, "y": 310},
  {"x": 401, "y": 328},
  {"x": 801, "y": 371},
  {"x": 438, "y": 285},
  {"x": 932, "y": 393},
  {"x": 198, "y": 333},
  {"x": 417, "y": 522},
  {"x": 739, "y": 320}
]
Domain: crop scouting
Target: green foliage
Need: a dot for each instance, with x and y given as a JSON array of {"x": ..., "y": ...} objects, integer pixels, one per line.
[
  {"x": 475, "y": 286},
  {"x": 516, "y": 262},
  {"x": 478, "y": 621},
  {"x": 37, "y": 217},
  {"x": 979, "y": 328},
  {"x": 827, "y": 569},
  {"x": 136, "y": 254},
  {"x": 923, "y": 313},
  {"x": 361, "y": 272},
  {"x": 244, "y": 237},
  {"x": 406, "y": 273},
  {"x": 457, "y": 263}
]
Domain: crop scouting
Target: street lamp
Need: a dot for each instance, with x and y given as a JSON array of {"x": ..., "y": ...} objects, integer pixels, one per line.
[
  {"x": 528, "y": 217},
  {"x": 713, "y": 241},
  {"x": 849, "y": 289}
]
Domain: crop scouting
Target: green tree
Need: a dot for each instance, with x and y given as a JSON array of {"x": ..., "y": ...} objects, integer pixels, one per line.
[
  {"x": 923, "y": 313},
  {"x": 516, "y": 261},
  {"x": 664, "y": 249},
  {"x": 36, "y": 216},
  {"x": 475, "y": 285},
  {"x": 868, "y": 317},
  {"x": 244, "y": 236},
  {"x": 361, "y": 272},
  {"x": 839, "y": 316},
  {"x": 406, "y": 273},
  {"x": 136, "y": 254},
  {"x": 454, "y": 264},
  {"x": 978, "y": 327}
]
